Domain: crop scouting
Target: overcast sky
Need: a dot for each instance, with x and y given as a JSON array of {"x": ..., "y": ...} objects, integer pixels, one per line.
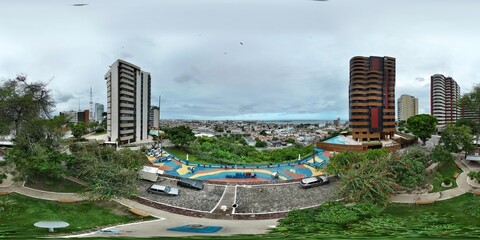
[{"x": 239, "y": 59}]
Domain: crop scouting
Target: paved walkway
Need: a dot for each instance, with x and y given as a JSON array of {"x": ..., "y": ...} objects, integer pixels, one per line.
[
  {"x": 156, "y": 227},
  {"x": 462, "y": 188}
]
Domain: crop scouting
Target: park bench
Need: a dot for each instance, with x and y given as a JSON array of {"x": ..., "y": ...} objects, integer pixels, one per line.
[
  {"x": 138, "y": 212},
  {"x": 4, "y": 193},
  {"x": 476, "y": 192},
  {"x": 455, "y": 175},
  {"x": 424, "y": 202}
]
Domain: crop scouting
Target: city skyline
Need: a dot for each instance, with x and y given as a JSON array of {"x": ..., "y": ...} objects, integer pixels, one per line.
[{"x": 239, "y": 60}]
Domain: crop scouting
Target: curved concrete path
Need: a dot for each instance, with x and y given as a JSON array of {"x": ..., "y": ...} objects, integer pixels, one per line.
[
  {"x": 149, "y": 228},
  {"x": 462, "y": 188}
]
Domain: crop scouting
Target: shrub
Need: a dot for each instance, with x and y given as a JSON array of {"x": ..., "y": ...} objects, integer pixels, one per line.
[
  {"x": 99, "y": 130},
  {"x": 2, "y": 176},
  {"x": 474, "y": 176},
  {"x": 447, "y": 181}
]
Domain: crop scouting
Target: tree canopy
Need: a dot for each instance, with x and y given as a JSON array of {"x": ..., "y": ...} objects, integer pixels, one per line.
[
  {"x": 180, "y": 136},
  {"x": 21, "y": 102},
  {"x": 79, "y": 129},
  {"x": 457, "y": 139},
  {"x": 26, "y": 109},
  {"x": 422, "y": 126},
  {"x": 109, "y": 173}
]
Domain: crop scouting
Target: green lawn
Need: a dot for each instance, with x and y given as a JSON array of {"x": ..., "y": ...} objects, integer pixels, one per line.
[
  {"x": 445, "y": 170},
  {"x": 54, "y": 185},
  {"x": 18, "y": 218},
  {"x": 100, "y": 133},
  {"x": 455, "y": 218},
  {"x": 178, "y": 152}
]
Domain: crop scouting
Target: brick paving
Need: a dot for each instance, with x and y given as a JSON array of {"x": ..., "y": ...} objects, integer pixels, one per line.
[
  {"x": 204, "y": 200},
  {"x": 283, "y": 197}
]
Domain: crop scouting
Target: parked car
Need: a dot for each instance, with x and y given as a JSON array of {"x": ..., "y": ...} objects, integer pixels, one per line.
[
  {"x": 314, "y": 181},
  {"x": 189, "y": 183},
  {"x": 163, "y": 190}
]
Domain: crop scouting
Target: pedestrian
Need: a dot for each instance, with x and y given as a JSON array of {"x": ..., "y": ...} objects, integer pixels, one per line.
[{"x": 192, "y": 169}]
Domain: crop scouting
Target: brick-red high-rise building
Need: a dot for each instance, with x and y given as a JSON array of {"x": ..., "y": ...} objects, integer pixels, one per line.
[{"x": 372, "y": 98}]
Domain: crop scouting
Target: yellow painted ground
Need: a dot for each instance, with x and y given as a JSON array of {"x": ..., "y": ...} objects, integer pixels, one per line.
[
  {"x": 315, "y": 172},
  {"x": 183, "y": 170},
  {"x": 151, "y": 158}
]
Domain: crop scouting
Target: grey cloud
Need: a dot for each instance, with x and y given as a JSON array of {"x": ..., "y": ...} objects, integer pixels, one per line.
[
  {"x": 294, "y": 61},
  {"x": 190, "y": 75}
]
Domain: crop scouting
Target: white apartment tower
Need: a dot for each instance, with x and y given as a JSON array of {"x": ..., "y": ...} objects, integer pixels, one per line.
[
  {"x": 98, "y": 112},
  {"x": 154, "y": 117},
  {"x": 444, "y": 94},
  {"x": 128, "y": 104},
  {"x": 407, "y": 106}
]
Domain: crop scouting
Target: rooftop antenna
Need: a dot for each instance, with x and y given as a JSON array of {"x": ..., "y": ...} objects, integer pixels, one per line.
[
  {"x": 91, "y": 105},
  {"x": 79, "y": 104}
]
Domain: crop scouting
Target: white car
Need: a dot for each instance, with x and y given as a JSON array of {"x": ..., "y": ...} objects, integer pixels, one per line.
[
  {"x": 161, "y": 189},
  {"x": 314, "y": 181}
]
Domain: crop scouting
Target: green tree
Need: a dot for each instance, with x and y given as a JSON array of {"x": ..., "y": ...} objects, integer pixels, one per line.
[
  {"x": 457, "y": 139},
  {"x": 343, "y": 161},
  {"x": 263, "y": 133},
  {"x": 35, "y": 152},
  {"x": 422, "y": 126},
  {"x": 79, "y": 130},
  {"x": 408, "y": 171},
  {"x": 21, "y": 102},
  {"x": 370, "y": 182},
  {"x": 109, "y": 173},
  {"x": 440, "y": 154},
  {"x": 180, "y": 136},
  {"x": 261, "y": 144},
  {"x": 470, "y": 102}
]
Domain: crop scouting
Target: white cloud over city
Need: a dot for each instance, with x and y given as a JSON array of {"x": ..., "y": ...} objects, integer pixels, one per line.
[{"x": 239, "y": 59}]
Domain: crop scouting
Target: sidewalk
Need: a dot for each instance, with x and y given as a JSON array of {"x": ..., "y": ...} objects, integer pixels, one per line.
[{"x": 462, "y": 188}]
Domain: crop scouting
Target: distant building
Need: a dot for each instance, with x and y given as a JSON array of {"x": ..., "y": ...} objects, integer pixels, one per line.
[
  {"x": 444, "y": 94},
  {"x": 372, "y": 98},
  {"x": 336, "y": 122},
  {"x": 407, "y": 106},
  {"x": 71, "y": 115},
  {"x": 128, "y": 94},
  {"x": 83, "y": 116},
  {"x": 99, "y": 109},
  {"x": 154, "y": 117}
]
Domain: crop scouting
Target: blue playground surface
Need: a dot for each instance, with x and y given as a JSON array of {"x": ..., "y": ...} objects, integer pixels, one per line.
[
  {"x": 174, "y": 166},
  {"x": 196, "y": 228}
]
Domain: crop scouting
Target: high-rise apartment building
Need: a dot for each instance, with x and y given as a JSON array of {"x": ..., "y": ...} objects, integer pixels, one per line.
[
  {"x": 128, "y": 105},
  {"x": 372, "y": 98},
  {"x": 154, "y": 117},
  {"x": 99, "y": 109},
  {"x": 407, "y": 106},
  {"x": 444, "y": 94}
]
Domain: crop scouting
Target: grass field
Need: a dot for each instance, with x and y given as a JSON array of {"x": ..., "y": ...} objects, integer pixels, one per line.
[
  {"x": 178, "y": 152},
  {"x": 445, "y": 170},
  {"x": 456, "y": 218},
  {"x": 20, "y": 213},
  {"x": 54, "y": 185}
]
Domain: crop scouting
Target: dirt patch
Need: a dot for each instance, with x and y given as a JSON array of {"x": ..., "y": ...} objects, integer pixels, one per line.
[{"x": 115, "y": 207}]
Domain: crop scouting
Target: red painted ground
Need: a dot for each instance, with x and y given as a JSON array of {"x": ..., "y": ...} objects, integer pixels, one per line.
[
  {"x": 293, "y": 175},
  {"x": 165, "y": 168}
]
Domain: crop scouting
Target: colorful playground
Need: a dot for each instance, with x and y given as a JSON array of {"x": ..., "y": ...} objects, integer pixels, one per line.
[{"x": 174, "y": 166}]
